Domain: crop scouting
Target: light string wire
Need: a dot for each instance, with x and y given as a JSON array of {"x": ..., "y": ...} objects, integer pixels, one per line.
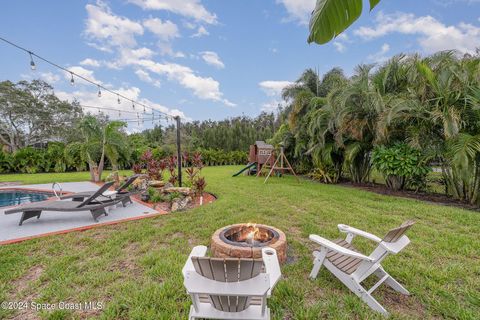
[{"x": 99, "y": 86}]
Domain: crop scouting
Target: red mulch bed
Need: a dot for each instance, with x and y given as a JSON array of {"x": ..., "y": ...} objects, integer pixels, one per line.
[
  {"x": 423, "y": 196},
  {"x": 165, "y": 206}
]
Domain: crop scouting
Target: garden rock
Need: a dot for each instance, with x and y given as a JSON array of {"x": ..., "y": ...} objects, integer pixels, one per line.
[
  {"x": 157, "y": 183},
  {"x": 182, "y": 190},
  {"x": 180, "y": 204}
]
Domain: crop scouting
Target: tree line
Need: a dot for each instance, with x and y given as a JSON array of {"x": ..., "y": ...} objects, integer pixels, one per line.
[
  {"x": 400, "y": 117},
  {"x": 41, "y": 133}
]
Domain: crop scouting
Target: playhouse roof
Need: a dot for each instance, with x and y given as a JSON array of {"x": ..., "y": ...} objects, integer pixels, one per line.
[{"x": 263, "y": 145}]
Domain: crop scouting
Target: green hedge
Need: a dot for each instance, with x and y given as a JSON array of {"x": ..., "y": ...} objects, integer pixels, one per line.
[{"x": 58, "y": 157}]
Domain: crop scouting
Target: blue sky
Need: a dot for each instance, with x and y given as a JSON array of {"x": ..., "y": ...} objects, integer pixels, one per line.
[{"x": 213, "y": 59}]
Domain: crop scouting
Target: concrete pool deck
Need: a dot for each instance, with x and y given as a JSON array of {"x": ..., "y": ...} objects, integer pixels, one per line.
[{"x": 62, "y": 222}]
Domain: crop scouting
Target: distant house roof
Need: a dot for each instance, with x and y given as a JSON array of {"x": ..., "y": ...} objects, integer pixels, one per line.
[{"x": 263, "y": 145}]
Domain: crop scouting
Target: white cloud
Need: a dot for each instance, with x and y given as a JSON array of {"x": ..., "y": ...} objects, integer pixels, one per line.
[
  {"x": 298, "y": 10},
  {"x": 272, "y": 87},
  {"x": 188, "y": 8},
  {"x": 145, "y": 76},
  {"x": 340, "y": 42},
  {"x": 202, "y": 87},
  {"x": 108, "y": 29},
  {"x": 188, "y": 25},
  {"x": 90, "y": 62},
  {"x": 339, "y": 46},
  {"x": 167, "y": 50},
  {"x": 123, "y": 110},
  {"x": 380, "y": 56},
  {"x": 272, "y": 106},
  {"x": 433, "y": 34},
  {"x": 212, "y": 58},
  {"x": 117, "y": 34},
  {"x": 201, "y": 31},
  {"x": 81, "y": 71},
  {"x": 164, "y": 30},
  {"x": 50, "y": 77}
]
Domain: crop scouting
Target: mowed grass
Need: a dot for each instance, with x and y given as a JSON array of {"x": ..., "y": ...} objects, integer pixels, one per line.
[{"x": 134, "y": 268}]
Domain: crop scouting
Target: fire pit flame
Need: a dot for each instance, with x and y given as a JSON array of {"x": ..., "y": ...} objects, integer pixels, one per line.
[
  {"x": 245, "y": 240},
  {"x": 251, "y": 234}
]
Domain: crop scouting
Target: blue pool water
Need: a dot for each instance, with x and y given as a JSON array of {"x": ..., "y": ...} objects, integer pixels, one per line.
[{"x": 16, "y": 197}]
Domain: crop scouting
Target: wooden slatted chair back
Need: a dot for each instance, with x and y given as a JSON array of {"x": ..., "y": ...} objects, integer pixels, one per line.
[
  {"x": 395, "y": 234},
  {"x": 228, "y": 270}
]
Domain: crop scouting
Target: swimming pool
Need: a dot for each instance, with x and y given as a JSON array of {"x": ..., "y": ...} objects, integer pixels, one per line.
[{"x": 15, "y": 197}]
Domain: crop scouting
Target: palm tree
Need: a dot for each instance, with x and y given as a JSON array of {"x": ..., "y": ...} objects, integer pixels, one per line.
[
  {"x": 102, "y": 140},
  {"x": 91, "y": 131},
  {"x": 114, "y": 143}
]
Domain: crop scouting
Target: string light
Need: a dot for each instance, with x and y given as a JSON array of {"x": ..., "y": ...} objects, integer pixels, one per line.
[
  {"x": 72, "y": 81},
  {"x": 32, "y": 63},
  {"x": 144, "y": 109},
  {"x": 118, "y": 99}
]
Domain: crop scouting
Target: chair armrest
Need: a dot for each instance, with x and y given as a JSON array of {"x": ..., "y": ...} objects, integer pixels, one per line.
[
  {"x": 337, "y": 248},
  {"x": 272, "y": 267},
  {"x": 397, "y": 246},
  {"x": 358, "y": 232},
  {"x": 198, "y": 251}
]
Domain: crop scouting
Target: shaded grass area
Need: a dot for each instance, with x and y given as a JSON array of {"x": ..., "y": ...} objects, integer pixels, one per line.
[{"x": 135, "y": 267}]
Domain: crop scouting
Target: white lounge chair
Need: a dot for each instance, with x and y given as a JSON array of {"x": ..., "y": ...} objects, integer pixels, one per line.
[
  {"x": 230, "y": 288},
  {"x": 352, "y": 267}
]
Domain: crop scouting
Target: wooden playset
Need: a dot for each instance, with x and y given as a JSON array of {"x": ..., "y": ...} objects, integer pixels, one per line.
[{"x": 262, "y": 156}]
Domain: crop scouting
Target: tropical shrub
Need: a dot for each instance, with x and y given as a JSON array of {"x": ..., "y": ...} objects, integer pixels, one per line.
[
  {"x": 28, "y": 160},
  {"x": 75, "y": 157},
  {"x": 6, "y": 162},
  {"x": 54, "y": 157},
  {"x": 401, "y": 165}
]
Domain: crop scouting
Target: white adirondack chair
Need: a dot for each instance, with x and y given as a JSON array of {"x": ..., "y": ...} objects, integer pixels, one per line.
[
  {"x": 230, "y": 288},
  {"x": 352, "y": 267}
]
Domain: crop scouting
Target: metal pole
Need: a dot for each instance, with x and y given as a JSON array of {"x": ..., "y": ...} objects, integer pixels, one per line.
[{"x": 179, "y": 153}]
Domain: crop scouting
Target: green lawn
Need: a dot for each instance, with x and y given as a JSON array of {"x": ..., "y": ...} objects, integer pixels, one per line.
[{"x": 135, "y": 267}]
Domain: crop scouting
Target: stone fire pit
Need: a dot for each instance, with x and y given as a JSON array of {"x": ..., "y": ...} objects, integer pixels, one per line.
[{"x": 246, "y": 240}]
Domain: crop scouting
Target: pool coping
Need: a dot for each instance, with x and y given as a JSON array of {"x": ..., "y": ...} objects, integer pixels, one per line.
[{"x": 159, "y": 212}]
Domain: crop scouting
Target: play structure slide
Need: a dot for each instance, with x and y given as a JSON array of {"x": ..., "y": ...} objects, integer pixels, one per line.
[{"x": 250, "y": 165}]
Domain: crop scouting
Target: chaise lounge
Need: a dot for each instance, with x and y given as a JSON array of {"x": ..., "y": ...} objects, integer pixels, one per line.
[
  {"x": 92, "y": 204},
  {"x": 121, "y": 193}
]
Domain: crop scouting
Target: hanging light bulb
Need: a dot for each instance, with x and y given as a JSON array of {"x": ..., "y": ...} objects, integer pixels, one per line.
[
  {"x": 144, "y": 109},
  {"x": 133, "y": 105},
  {"x": 118, "y": 99},
  {"x": 32, "y": 63},
  {"x": 72, "y": 81},
  {"x": 138, "y": 117},
  {"x": 99, "y": 92}
]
